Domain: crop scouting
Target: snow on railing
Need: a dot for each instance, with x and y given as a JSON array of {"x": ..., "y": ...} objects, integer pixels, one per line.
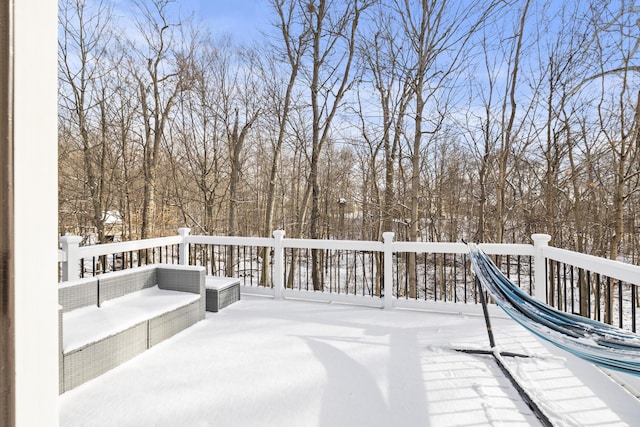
[{"x": 420, "y": 273}]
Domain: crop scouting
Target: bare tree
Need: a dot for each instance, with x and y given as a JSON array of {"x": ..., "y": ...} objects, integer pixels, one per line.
[
  {"x": 242, "y": 107},
  {"x": 509, "y": 110},
  {"x": 330, "y": 24},
  {"x": 123, "y": 112},
  {"x": 482, "y": 132},
  {"x": 383, "y": 58},
  {"x": 196, "y": 145},
  {"x": 432, "y": 30},
  {"x": 161, "y": 66},
  {"x": 295, "y": 42},
  {"x": 563, "y": 68},
  {"x": 83, "y": 44},
  {"x": 623, "y": 138}
]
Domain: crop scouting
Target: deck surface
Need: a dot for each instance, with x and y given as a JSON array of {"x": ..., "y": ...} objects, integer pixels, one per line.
[{"x": 261, "y": 362}]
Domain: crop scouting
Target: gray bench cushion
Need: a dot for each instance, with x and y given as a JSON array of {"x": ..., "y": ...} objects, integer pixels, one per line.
[
  {"x": 120, "y": 283},
  {"x": 78, "y": 293}
]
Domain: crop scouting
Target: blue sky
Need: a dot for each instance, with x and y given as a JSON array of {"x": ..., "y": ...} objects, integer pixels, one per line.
[{"x": 244, "y": 19}]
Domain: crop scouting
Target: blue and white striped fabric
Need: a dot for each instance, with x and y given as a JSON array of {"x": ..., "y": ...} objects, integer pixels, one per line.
[{"x": 596, "y": 342}]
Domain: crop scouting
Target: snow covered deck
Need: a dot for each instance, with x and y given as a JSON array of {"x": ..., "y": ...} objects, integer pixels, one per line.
[{"x": 265, "y": 362}]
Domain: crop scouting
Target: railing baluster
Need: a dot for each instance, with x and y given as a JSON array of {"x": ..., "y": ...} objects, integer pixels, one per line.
[
  {"x": 608, "y": 315},
  {"x": 355, "y": 272},
  {"x": 330, "y": 268},
  {"x": 597, "y": 302},
  {"x": 424, "y": 277},
  {"x": 620, "y": 311},
  {"x": 338, "y": 273},
  {"x": 340, "y": 267},
  {"x": 251, "y": 266},
  {"x": 580, "y": 291},
  {"x": 347, "y": 272},
  {"x": 573, "y": 310},
  {"x": 562, "y": 296},
  {"x": 353, "y": 264},
  {"x": 455, "y": 280},
  {"x": 364, "y": 274},
  {"x": 559, "y": 286},
  {"x": 356, "y": 263},
  {"x": 588, "y": 296},
  {"x": 546, "y": 267},
  {"x": 444, "y": 276},
  {"x": 271, "y": 282},
  {"x": 633, "y": 308},
  {"x": 464, "y": 272},
  {"x": 396, "y": 257},
  {"x": 474, "y": 288},
  {"x": 209, "y": 258},
  {"x": 306, "y": 272},
  {"x": 372, "y": 284},
  {"x": 435, "y": 277},
  {"x": 406, "y": 276}
]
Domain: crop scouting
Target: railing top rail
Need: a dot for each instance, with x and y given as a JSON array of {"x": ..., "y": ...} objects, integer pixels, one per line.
[
  {"x": 420, "y": 247},
  {"x": 355, "y": 245},
  {"x": 133, "y": 245},
  {"x": 229, "y": 240},
  {"x": 461, "y": 248},
  {"x": 615, "y": 269},
  {"x": 287, "y": 243},
  {"x": 430, "y": 247},
  {"x": 507, "y": 249}
]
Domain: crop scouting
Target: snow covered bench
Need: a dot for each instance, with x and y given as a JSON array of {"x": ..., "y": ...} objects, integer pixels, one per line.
[
  {"x": 221, "y": 291},
  {"x": 108, "y": 319}
]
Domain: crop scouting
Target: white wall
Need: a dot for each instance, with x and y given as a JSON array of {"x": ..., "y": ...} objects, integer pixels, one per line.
[{"x": 35, "y": 171}]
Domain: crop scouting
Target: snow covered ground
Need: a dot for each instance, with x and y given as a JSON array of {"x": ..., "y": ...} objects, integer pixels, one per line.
[{"x": 261, "y": 362}]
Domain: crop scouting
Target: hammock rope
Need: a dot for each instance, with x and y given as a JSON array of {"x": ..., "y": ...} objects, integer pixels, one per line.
[{"x": 594, "y": 341}]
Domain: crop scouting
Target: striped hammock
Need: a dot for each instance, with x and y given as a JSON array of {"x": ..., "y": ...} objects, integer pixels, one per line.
[{"x": 596, "y": 342}]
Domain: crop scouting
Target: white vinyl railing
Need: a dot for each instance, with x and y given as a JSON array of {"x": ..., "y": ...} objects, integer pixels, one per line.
[
  {"x": 352, "y": 271},
  {"x": 419, "y": 273},
  {"x": 614, "y": 269}
]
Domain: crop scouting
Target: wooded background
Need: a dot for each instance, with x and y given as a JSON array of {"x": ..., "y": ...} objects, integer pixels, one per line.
[{"x": 439, "y": 120}]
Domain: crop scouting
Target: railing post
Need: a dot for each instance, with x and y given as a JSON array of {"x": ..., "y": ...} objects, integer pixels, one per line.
[
  {"x": 183, "y": 251},
  {"x": 71, "y": 264},
  {"x": 388, "y": 269},
  {"x": 278, "y": 264},
  {"x": 540, "y": 278}
]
